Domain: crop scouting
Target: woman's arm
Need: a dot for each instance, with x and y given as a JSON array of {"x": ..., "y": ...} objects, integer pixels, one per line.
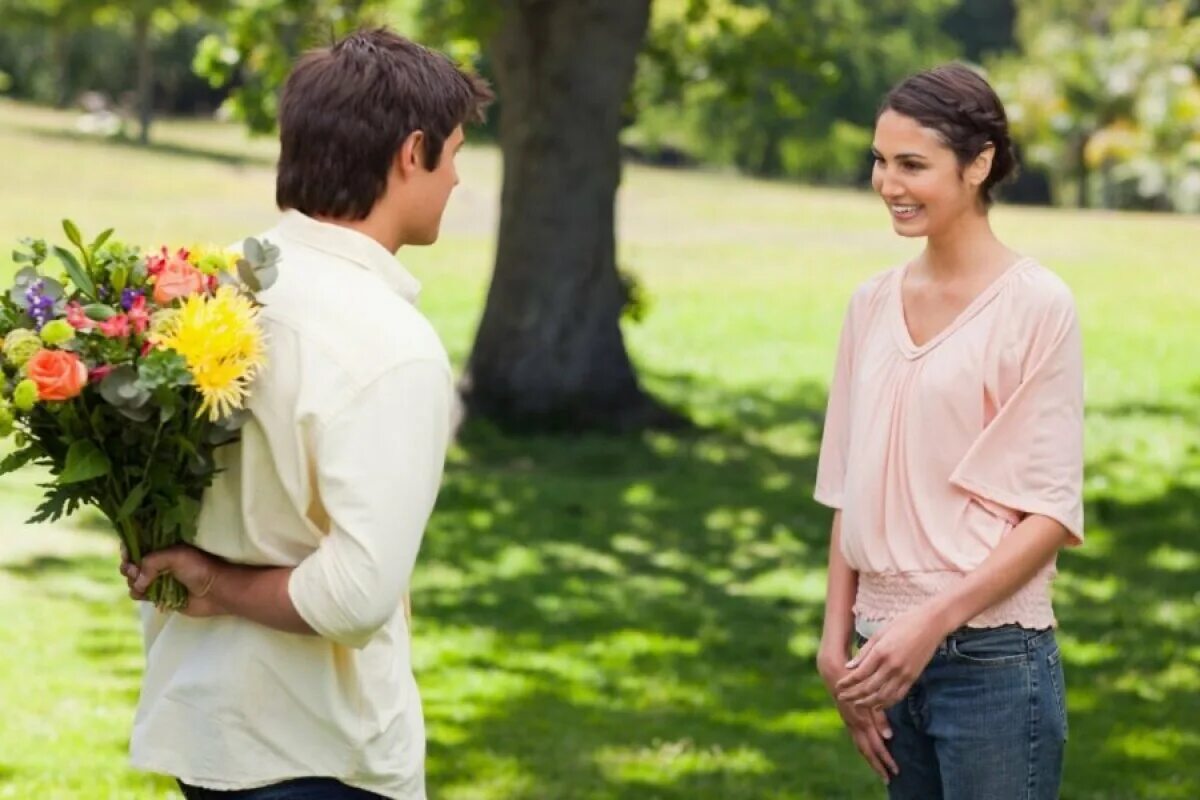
[
  {"x": 884, "y": 670},
  {"x": 868, "y": 728},
  {"x": 1024, "y": 552},
  {"x": 838, "y": 630}
]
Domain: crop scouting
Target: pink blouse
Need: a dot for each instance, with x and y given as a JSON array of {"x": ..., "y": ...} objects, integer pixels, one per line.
[{"x": 934, "y": 453}]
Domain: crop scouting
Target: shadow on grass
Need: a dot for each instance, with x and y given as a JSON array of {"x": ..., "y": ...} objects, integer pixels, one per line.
[
  {"x": 635, "y": 617},
  {"x": 611, "y": 618},
  {"x": 109, "y": 638},
  {"x": 621, "y": 618},
  {"x": 1129, "y": 607},
  {"x": 226, "y": 157}
]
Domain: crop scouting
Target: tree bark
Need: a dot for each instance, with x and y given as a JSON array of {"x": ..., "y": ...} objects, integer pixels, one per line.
[
  {"x": 62, "y": 60},
  {"x": 1082, "y": 172},
  {"x": 549, "y": 353},
  {"x": 145, "y": 73}
]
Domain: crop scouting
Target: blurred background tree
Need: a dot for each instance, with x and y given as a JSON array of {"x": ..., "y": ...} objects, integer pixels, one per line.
[
  {"x": 781, "y": 87},
  {"x": 1103, "y": 93},
  {"x": 137, "y": 52},
  {"x": 1104, "y": 97}
]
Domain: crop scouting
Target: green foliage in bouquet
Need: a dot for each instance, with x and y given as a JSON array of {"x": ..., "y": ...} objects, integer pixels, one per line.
[{"x": 122, "y": 373}]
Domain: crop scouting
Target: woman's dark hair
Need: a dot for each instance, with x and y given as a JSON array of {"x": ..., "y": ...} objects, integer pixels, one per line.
[
  {"x": 962, "y": 107},
  {"x": 346, "y": 110}
]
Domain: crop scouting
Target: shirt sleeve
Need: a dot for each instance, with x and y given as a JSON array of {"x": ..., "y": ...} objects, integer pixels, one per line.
[
  {"x": 1029, "y": 459},
  {"x": 835, "y": 439},
  {"x": 379, "y": 463}
]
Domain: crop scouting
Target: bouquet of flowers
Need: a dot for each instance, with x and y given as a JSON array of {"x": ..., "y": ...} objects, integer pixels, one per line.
[{"x": 123, "y": 372}]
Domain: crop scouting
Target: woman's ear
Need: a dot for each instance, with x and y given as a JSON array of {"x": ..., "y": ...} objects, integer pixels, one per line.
[{"x": 981, "y": 167}]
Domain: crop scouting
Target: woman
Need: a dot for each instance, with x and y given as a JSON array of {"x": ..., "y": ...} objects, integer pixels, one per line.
[{"x": 952, "y": 455}]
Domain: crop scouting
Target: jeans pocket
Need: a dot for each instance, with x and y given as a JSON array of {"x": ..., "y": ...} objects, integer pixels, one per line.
[
  {"x": 1058, "y": 684},
  {"x": 999, "y": 647}
]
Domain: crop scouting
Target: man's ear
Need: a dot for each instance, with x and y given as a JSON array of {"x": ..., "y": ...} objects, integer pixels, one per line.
[{"x": 411, "y": 157}]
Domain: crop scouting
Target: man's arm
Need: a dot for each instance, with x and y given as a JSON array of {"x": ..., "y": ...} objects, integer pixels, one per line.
[{"x": 379, "y": 464}]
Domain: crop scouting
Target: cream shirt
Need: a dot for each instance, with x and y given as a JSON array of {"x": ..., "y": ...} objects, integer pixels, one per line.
[
  {"x": 934, "y": 453},
  {"x": 336, "y": 475}
]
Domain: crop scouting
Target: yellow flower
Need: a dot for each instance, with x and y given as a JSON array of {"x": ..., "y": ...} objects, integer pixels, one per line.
[
  {"x": 219, "y": 338},
  {"x": 161, "y": 323},
  {"x": 212, "y": 260}
]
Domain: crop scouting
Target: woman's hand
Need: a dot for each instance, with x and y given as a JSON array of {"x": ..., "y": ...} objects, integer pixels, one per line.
[
  {"x": 195, "y": 569},
  {"x": 868, "y": 727},
  {"x": 891, "y": 660}
]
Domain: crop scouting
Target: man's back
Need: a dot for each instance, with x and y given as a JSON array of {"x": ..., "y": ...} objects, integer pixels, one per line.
[{"x": 335, "y": 475}]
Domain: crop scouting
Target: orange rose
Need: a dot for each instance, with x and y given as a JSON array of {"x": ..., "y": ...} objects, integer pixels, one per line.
[
  {"x": 178, "y": 279},
  {"x": 59, "y": 375}
]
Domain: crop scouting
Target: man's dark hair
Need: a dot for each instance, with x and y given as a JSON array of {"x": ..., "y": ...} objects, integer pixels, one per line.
[
  {"x": 962, "y": 107},
  {"x": 347, "y": 109}
]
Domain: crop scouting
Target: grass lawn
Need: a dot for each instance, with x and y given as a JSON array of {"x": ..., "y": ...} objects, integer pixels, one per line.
[{"x": 637, "y": 617}]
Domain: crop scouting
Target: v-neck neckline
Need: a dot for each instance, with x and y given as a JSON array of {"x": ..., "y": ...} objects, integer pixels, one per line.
[{"x": 904, "y": 335}]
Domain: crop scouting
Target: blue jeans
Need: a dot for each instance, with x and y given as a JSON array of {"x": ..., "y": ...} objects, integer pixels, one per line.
[
  {"x": 299, "y": 789},
  {"x": 986, "y": 720}
]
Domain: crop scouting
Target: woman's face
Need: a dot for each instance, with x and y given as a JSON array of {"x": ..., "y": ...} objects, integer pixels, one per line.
[{"x": 919, "y": 177}]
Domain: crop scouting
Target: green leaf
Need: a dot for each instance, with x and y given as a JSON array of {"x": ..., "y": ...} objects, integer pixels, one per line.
[
  {"x": 246, "y": 273},
  {"x": 253, "y": 251},
  {"x": 101, "y": 239},
  {"x": 15, "y": 460},
  {"x": 98, "y": 312},
  {"x": 163, "y": 368},
  {"x": 173, "y": 516},
  {"x": 85, "y": 462},
  {"x": 23, "y": 280},
  {"x": 168, "y": 403},
  {"x": 77, "y": 273},
  {"x": 120, "y": 279},
  {"x": 59, "y": 501},
  {"x": 184, "y": 444},
  {"x": 189, "y": 515},
  {"x": 132, "y": 502},
  {"x": 72, "y": 233}
]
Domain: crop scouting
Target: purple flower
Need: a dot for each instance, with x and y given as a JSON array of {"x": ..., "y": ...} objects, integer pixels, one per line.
[
  {"x": 41, "y": 307},
  {"x": 129, "y": 297}
]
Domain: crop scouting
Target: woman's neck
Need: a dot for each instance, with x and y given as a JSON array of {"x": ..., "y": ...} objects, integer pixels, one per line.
[{"x": 967, "y": 247}]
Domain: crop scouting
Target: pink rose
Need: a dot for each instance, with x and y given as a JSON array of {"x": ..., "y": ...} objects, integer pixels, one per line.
[
  {"x": 156, "y": 263},
  {"x": 59, "y": 375},
  {"x": 178, "y": 279}
]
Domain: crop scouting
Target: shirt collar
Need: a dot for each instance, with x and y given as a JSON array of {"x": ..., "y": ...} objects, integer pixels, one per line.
[{"x": 347, "y": 243}]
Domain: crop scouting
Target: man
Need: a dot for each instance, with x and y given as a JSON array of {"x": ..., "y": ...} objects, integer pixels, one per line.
[{"x": 288, "y": 674}]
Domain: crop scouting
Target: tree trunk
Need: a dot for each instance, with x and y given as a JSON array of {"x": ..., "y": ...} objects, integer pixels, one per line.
[
  {"x": 1082, "y": 172},
  {"x": 62, "y": 62},
  {"x": 549, "y": 352},
  {"x": 145, "y": 73}
]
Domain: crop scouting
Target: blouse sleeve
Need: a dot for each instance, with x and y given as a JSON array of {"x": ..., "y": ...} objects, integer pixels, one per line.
[
  {"x": 1029, "y": 459},
  {"x": 835, "y": 440}
]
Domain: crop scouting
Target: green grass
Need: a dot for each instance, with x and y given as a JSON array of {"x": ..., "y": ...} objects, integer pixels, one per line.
[{"x": 637, "y": 617}]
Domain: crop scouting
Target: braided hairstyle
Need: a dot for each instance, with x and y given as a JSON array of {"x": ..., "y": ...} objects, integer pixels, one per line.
[{"x": 962, "y": 107}]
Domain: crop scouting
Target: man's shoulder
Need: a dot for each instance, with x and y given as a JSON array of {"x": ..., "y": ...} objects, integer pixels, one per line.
[{"x": 342, "y": 308}]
